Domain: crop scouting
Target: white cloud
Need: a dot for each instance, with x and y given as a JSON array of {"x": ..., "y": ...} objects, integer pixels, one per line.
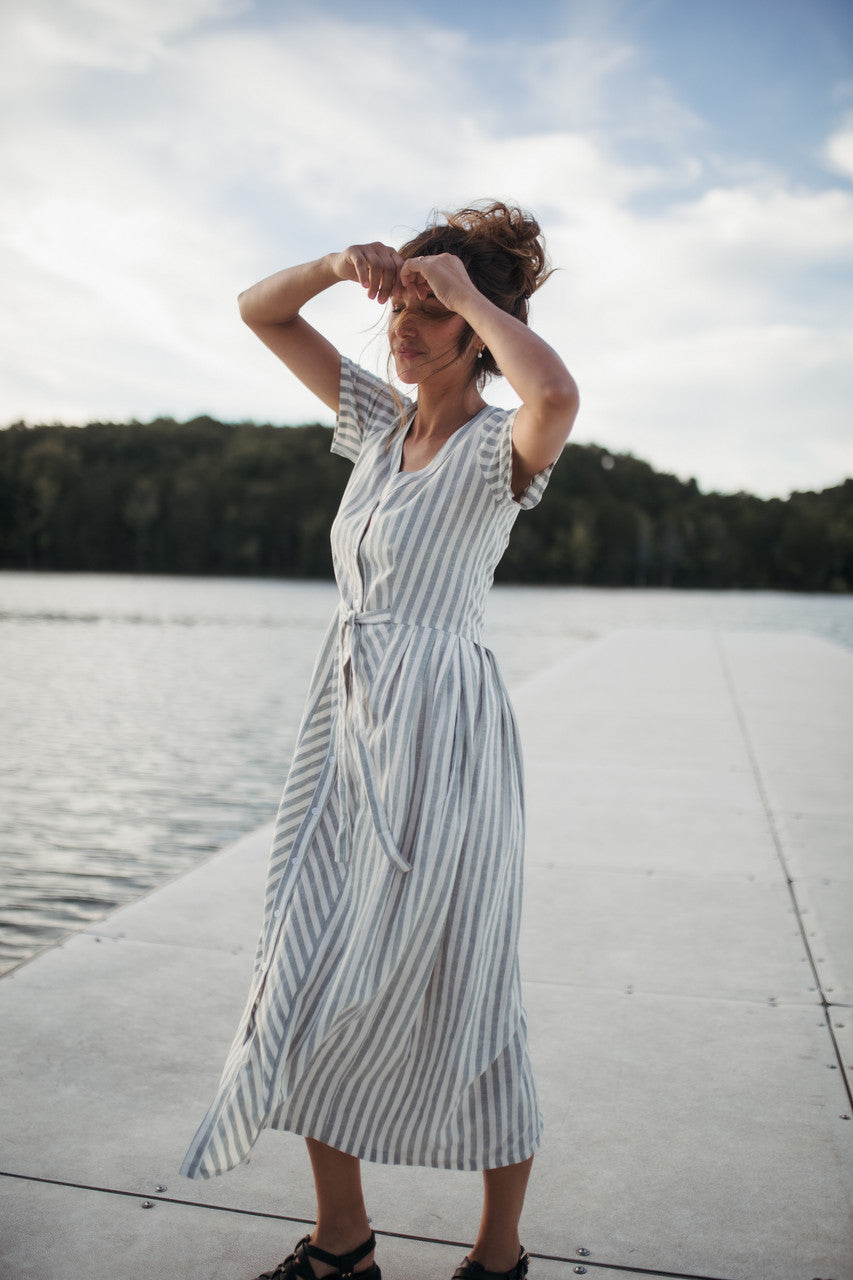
[
  {"x": 707, "y": 331},
  {"x": 597, "y": 83},
  {"x": 756, "y": 407},
  {"x": 838, "y": 150},
  {"x": 695, "y": 345},
  {"x": 127, "y": 35}
]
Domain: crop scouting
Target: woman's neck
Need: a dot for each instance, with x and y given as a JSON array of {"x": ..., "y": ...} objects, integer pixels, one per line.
[{"x": 441, "y": 411}]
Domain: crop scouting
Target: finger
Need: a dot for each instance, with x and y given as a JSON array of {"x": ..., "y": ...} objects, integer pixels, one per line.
[
  {"x": 380, "y": 268},
  {"x": 412, "y": 277},
  {"x": 367, "y": 274},
  {"x": 423, "y": 281},
  {"x": 383, "y": 277},
  {"x": 371, "y": 283},
  {"x": 410, "y": 270},
  {"x": 390, "y": 279},
  {"x": 368, "y": 264},
  {"x": 361, "y": 263}
]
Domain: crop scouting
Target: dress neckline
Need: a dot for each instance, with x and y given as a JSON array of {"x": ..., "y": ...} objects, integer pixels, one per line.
[{"x": 441, "y": 452}]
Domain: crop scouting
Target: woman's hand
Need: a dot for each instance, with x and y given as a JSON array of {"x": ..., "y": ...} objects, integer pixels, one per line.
[
  {"x": 441, "y": 275},
  {"x": 376, "y": 267},
  {"x": 384, "y": 274}
]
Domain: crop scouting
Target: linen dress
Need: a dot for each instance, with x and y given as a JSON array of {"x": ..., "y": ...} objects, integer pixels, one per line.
[{"x": 385, "y": 1014}]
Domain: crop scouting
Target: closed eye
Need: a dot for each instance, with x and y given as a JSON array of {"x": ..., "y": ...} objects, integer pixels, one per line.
[{"x": 430, "y": 309}]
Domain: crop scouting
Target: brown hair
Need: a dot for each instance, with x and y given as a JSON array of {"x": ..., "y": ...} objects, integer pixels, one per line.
[{"x": 502, "y": 250}]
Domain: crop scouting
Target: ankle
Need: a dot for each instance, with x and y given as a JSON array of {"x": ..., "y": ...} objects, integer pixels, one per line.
[
  {"x": 340, "y": 1239},
  {"x": 341, "y": 1236},
  {"x": 500, "y": 1256}
]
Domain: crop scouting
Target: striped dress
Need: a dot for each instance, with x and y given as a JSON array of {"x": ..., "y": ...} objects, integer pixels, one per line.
[{"x": 385, "y": 1014}]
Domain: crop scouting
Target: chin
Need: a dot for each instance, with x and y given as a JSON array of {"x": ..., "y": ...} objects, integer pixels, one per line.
[{"x": 411, "y": 377}]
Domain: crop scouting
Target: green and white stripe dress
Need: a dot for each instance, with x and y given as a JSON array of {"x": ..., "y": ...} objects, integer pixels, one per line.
[{"x": 385, "y": 1015}]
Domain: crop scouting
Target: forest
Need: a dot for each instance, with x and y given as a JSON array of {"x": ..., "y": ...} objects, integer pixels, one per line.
[{"x": 206, "y": 497}]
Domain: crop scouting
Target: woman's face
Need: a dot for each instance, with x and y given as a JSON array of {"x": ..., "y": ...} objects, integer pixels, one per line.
[{"x": 424, "y": 337}]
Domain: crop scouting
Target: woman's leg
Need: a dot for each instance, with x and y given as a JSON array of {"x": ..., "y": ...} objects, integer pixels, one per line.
[
  {"x": 341, "y": 1216},
  {"x": 497, "y": 1247}
]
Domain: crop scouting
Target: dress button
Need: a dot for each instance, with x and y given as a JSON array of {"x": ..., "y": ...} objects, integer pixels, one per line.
[
  {"x": 356, "y": 604},
  {"x": 316, "y": 809},
  {"x": 295, "y": 861}
]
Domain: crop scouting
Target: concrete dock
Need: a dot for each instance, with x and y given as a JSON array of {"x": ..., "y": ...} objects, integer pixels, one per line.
[{"x": 688, "y": 965}]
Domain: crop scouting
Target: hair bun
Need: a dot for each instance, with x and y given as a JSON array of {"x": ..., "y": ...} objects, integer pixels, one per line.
[{"x": 510, "y": 228}]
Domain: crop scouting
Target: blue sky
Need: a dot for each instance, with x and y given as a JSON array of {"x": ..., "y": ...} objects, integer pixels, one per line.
[{"x": 691, "y": 162}]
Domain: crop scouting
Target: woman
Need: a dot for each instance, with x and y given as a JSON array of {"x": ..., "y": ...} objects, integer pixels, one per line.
[{"x": 385, "y": 1020}]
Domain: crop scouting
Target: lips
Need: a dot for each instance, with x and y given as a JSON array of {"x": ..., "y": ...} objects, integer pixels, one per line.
[{"x": 408, "y": 353}]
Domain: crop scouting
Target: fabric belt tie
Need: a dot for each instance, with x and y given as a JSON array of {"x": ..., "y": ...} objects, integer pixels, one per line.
[{"x": 351, "y": 713}]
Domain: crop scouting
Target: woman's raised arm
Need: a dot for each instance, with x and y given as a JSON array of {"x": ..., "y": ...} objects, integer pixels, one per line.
[
  {"x": 535, "y": 372},
  {"x": 271, "y": 310}
]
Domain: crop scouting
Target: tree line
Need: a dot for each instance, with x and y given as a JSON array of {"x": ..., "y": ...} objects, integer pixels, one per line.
[{"x": 206, "y": 497}]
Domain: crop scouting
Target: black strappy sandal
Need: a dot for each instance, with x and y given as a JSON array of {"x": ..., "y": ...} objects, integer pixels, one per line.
[
  {"x": 297, "y": 1266},
  {"x": 468, "y": 1270}
]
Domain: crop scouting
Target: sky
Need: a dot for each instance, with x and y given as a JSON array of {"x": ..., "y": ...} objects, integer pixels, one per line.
[{"x": 690, "y": 161}]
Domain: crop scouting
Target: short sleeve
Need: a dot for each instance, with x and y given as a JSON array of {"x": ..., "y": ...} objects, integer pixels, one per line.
[
  {"x": 366, "y": 404},
  {"x": 495, "y": 454}
]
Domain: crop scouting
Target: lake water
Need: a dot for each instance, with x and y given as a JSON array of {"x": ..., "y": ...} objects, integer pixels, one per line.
[{"x": 148, "y": 721}]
